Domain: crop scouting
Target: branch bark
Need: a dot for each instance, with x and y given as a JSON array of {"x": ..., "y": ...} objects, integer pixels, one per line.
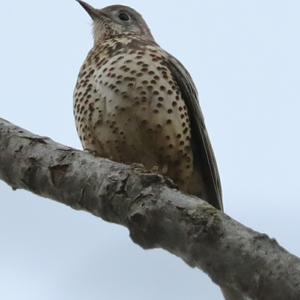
[{"x": 155, "y": 212}]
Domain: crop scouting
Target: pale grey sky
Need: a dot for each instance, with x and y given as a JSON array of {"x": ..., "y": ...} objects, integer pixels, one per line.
[{"x": 244, "y": 58}]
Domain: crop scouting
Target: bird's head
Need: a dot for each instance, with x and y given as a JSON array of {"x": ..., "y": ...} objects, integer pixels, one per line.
[{"x": 116, "y": 20}]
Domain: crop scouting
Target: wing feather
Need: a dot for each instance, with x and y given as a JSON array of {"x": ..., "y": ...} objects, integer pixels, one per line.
[{"x": 202, "y": 149}]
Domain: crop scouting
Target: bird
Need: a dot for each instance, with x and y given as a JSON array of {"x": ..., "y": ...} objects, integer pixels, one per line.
[{"x": 136, "y": 103}]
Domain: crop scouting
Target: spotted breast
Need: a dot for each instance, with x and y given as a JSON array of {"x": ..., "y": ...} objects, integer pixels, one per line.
[{"x": 129, "y": 108}]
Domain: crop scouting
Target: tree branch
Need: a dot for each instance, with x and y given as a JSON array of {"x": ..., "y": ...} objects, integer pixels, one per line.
[{"x": 156, "y": 214}]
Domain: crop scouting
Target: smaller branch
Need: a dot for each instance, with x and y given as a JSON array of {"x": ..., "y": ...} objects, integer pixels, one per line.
[{"x": 156, "y": 214}]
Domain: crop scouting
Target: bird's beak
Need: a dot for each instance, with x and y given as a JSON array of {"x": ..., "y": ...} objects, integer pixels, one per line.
[{"x": 89, "y": 9}]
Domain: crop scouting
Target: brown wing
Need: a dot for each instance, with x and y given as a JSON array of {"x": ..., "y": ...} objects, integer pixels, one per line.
[{"x": 202, "y": 149}]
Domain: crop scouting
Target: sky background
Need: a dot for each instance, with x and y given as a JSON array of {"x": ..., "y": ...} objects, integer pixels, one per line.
[{"x": 244, "y": 58}]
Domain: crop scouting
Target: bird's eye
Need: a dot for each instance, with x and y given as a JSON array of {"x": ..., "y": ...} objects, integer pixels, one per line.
[{"x": 123, "y": 16}]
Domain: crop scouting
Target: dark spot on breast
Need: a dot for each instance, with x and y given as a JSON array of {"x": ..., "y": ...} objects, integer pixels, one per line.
[{"x": 91, "y": 106}]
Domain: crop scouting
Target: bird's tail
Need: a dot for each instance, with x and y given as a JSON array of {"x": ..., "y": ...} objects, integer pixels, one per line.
[{"x": 232, "y": 294}]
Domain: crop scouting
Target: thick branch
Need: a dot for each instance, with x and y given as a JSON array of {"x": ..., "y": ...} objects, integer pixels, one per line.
[{"x": 156, "y": 214}]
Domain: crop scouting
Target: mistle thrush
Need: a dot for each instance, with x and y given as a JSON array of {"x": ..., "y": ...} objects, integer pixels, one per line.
[{"x": 136, "y": 103}]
